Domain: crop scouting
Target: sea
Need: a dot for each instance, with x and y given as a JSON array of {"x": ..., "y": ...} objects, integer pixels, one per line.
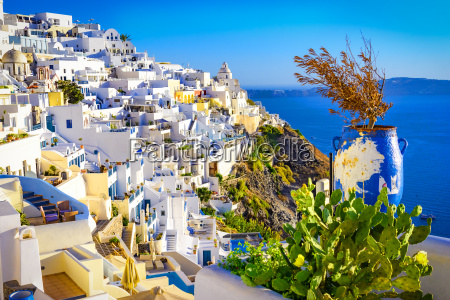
[{"x": 423, "y": 120}]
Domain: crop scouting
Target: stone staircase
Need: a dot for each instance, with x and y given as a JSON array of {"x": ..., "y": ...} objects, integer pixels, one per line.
[
  {"x": 38, "y": 201},
  {"x": 127, "y": 234},
  {"x": 92, "y": 166},
  {"x": 171, "y": 242}
]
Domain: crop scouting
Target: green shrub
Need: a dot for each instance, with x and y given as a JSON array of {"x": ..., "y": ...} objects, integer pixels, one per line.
[
  {"x": 23, "y": 219},
  {"x": 242, "y": 225},
  {"x": 138, "y": 238},
  {"x": 204, "y": 194},
  {"x": 218, "y": 175},
  {"x": 209, "y": 211},
  {"x": 238, "y": 192},
  {"x": 286, "y": 173},
  {"x": 114, "y": 210},
  {"x": 125, "y": 221},
  {"x": 114, "y": 240},
  {"x": 257, "y": 204}
]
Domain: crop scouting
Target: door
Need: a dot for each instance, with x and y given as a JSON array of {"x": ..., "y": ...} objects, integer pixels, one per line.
[
  {"x": 206, "y": 257},
  {"x": 50, "y": 123}
]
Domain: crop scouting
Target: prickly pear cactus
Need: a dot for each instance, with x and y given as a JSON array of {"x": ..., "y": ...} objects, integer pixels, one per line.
[
  {"x": 341, "y": 249},
  {"x": 358, "y": 251}
]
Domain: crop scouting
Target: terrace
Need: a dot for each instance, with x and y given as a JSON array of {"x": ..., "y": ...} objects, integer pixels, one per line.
[
  {"x": 201, "y": 228},
  {"x": 41, "y": 202}
]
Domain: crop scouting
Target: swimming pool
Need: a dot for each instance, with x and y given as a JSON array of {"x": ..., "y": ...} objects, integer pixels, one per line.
[{"x": 175, "y": 279}]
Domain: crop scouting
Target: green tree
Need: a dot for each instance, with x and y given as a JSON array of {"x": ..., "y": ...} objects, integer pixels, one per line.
[
  {"x": 204, "y": 194},
  {"x": 125, "y": 37},
  {"x": 71, "y": 90}
]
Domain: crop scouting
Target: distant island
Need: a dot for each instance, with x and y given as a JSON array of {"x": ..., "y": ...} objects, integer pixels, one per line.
[{"x": 394, "y": 86}]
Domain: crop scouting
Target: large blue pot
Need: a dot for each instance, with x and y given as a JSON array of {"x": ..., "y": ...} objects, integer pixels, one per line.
[{"x": 369, "y": 159}]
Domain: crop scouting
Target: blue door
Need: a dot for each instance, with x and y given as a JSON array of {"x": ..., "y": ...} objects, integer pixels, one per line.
[
  {"x": 206, "y": 257},
  {"x": 50, "y": 123}
]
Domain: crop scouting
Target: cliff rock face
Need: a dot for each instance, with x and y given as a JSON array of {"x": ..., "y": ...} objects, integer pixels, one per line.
[{"x": 276, "y": 192}]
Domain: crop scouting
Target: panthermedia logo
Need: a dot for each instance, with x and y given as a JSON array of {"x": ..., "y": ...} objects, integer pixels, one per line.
[{"x": 243, "y": 149}]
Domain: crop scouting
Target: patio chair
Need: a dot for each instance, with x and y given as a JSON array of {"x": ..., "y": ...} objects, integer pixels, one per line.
[
  {"x": 69, "y": 216},
  {"x": 51, "y": 217},
  {"x": 63, "y": 206},
  {"x": 191, "y": 230}
]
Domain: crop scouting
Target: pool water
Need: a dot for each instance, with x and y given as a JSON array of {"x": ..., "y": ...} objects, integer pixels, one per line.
[
  {"x": 238, "y": 244},
  {"x": 176, "y": 280}
]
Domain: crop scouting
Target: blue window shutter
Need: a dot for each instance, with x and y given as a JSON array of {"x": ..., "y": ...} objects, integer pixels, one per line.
[{"x": 69, "y": 123}]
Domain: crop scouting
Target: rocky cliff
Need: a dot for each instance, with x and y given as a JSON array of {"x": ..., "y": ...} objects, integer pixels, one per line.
[{"x": 272, "y": 182}]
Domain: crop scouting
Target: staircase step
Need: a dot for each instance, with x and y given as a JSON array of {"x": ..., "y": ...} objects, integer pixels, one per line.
[
  {"x": 33, "y": 198},
  {"x": 48, "y": 206},
  {"x": 27, "y": 194},
  {"x": 39, "y": 203}
]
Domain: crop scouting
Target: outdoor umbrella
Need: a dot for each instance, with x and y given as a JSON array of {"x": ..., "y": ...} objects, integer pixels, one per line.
[
  {"x": 130, "y": 277},
  {"x": 170, "y": 292},
  {"x": 152, "y": 249}
]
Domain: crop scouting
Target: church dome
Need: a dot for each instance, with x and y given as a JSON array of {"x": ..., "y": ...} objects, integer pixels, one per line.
[
  {"x": 14, "y": 56},
  {"x": 224, "y": 68}
]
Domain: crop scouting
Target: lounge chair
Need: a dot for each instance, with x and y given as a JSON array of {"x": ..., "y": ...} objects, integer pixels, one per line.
[
  {"x": 64, "y": 206},
  {"x": 51, "y": 217},
  {"x": 159, "y": 265},
  {"x": 69, "y": 216}
]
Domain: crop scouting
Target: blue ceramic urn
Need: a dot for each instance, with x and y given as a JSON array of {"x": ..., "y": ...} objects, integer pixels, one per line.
[{"x": 368, "y": 160}]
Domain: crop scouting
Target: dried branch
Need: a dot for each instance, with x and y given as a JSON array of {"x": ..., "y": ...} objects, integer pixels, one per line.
[{"x": 354, "y": 83}]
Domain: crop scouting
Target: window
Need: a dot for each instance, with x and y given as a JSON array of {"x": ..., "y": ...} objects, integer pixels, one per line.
[
  {"x": 64, "y": 70},
  {"x": 69, "y": 123},
  {"x": 51, "y": 67},
  {"x": 163, "y": 213},
  {"x": 73, "y": 71}
]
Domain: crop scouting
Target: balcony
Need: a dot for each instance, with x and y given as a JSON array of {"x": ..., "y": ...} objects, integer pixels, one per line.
[
  {"x": 36, "y": 127},
  {"x": 151, "y": 219},
  {"x": 136, "y": 194},
  {"x": 112, "y": 171}
]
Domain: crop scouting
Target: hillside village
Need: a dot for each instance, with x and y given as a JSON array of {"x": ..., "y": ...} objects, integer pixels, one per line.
[{"x": 102, "y": 153}]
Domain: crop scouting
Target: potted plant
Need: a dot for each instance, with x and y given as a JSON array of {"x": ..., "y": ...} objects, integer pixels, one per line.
[
  {"x": 94, "y": 216},
  {"x": 368, "y": 156},
  {"x": 343, "y": 249}
]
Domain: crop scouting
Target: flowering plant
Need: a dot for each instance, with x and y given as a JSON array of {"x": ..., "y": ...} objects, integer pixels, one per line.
[{"x": 340, "y": 250}]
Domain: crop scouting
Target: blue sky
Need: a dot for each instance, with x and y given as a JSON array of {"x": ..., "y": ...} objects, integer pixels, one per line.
[{"x": 259, "y": 39}]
